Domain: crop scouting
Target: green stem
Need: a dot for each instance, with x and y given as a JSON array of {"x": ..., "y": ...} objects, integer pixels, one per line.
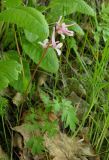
[
  {"x": 33, "y": 75},
  {"x": 5, "y": 133}
]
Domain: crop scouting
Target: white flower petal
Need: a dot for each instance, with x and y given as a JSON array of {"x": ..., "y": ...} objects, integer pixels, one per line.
[
  {"x": 59, "y": 45},
  {"x": 69, "y": 33},
  {"x": 58, "y": 51},
  {"x": 60, "y": 18},
  {"x": 63, "y": 36},
  {"x": 45, "y": 41}
]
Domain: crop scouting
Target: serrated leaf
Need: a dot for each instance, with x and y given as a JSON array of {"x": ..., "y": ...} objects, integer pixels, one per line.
[
  {"x": 47, "y": 128},
  {"x": 44, "y": 97},
  {"x": 50, "y": 61},
  {"x": 70, "y": 118},
  {"x": 56, "y": 106},
  {"x": 41, "y": 19},
  {"x": 9, "y": 71},
  {"x": 23, "y": 79},
  {"x": 66, "y": 7},
  {"x": 28, "y": 18},
  {"x": 35, "y": 144},
  {"x": 69, "y": 115},
  {"x": 12, "y": 3}
]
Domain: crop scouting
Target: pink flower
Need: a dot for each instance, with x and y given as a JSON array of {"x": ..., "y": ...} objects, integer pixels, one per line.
[
  {"x": 62, "y": 28},
  {"x": 55, "y": 44},
  {"x": 45, "y": 43}
]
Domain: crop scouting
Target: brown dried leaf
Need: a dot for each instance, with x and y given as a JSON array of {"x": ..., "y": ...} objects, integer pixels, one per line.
[
  {"x": 52, "y": 117},
  {"x": 63, "y": 147},
  {"x": 42, "y": 79},
  {"x": 21, "y": 136},
  {"x": 87, "y": 150},
  {"x": 18, "y": 99},
  {"x": 25, "y": 132},
  {"x": 60, "y": 147},
  {"x": 18, "y": 140}
]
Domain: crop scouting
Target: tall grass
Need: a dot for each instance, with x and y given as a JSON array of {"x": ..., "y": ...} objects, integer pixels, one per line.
[{"x": 98, "y": 112}]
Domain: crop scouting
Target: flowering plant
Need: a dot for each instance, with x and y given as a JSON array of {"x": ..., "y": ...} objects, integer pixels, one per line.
[{"x": 62, "y": 29}]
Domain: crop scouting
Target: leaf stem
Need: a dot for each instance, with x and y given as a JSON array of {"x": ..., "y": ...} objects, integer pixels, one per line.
[{"x": 33, "y": 75}]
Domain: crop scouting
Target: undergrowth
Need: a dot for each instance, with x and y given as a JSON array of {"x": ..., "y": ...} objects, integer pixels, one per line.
[{"x": 54, "y": 72}]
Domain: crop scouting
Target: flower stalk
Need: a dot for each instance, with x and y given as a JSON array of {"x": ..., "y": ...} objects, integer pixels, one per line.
[{"x": 61, "y": 29}]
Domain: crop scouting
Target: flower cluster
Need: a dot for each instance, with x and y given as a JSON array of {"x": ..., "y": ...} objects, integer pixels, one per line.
[{"x": 62, "y": 29}]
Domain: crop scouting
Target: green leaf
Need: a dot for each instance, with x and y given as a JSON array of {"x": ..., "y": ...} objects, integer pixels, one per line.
[
  {"x": 66, "y": 7},
  {"x": 71, "y": 42},
  {"x": 44, "y": 97},
  {"x": 28, "y": 18},
  {"x": 9, "y": 71},
  {"x": 49, "y": 63},
  {"x": 106, "y": 34},
  {"x": 76, "y": 28},
  {"x": 30, "y": 36},
  {"x": 56, "y": 106},
  {"x": 38, "y": 147},
  {"x": 23, "y": 79},
  {"x": 12, "y": 3},
  {"x": 40, "y": 18},
  {"x": 36, "y": 144},
  {"x": 69, "y": 115},
  {"x": 105, "y": 8},
  {"x": 3, "y": 105},
  {"x": 47, "y": 128}
]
